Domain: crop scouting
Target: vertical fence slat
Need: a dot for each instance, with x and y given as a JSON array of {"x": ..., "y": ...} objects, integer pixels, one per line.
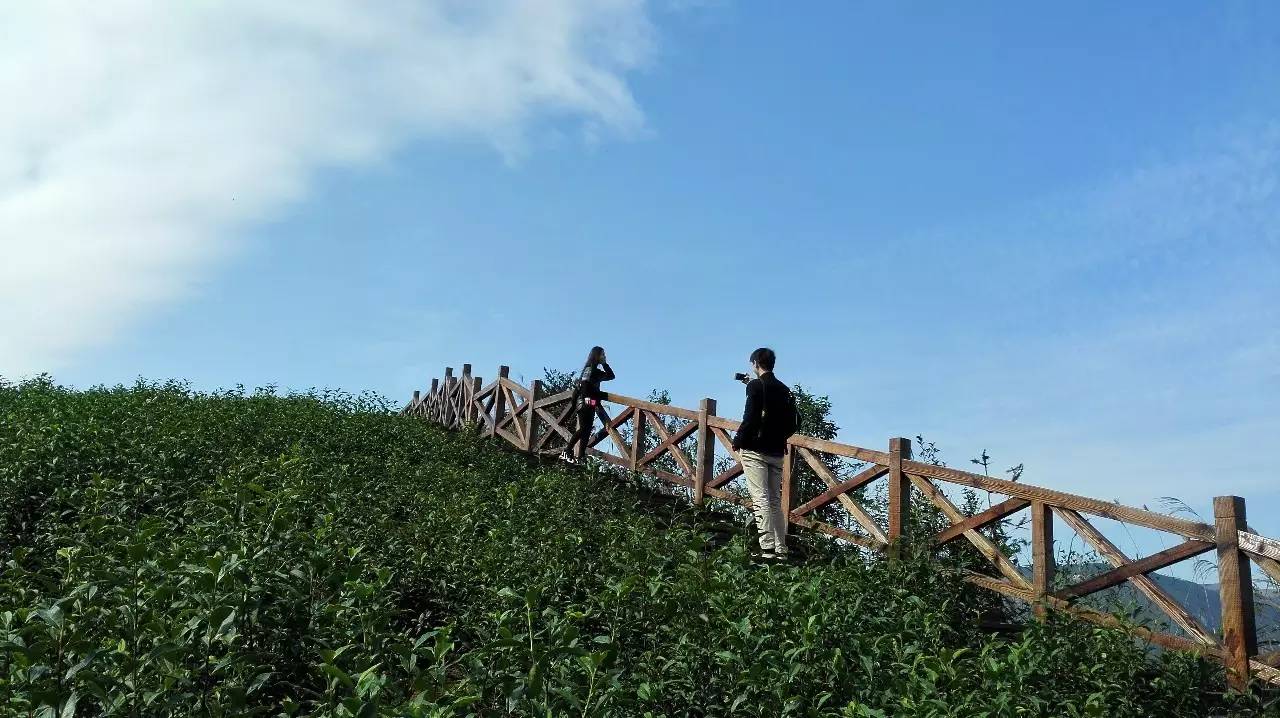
[
  {"x": 637, "y": 438},
  {"x": 899, "y": 493},
  {"x": 706, "y": 450},
  {"x": 499, "y": 400},
  {"x": 531, "y": 420},
  {"x": 453, "y": 402},
  {"x": 1042, "y": 561},
  {"x": 464, "y": 396},
  {"x": 788, "y": 503},
  {"x": 1235, "y": 589},
  {"x": 446, "y": 405}
]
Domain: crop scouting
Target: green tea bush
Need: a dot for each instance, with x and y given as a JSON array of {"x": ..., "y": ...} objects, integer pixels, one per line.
[{"x": 173, "y": 553}]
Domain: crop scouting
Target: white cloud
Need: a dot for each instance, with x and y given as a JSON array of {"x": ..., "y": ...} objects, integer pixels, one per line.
[{"x": 137, "y": 136}]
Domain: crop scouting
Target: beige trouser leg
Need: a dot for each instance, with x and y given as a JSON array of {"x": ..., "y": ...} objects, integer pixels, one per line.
[{"x": 764, "y": 483}]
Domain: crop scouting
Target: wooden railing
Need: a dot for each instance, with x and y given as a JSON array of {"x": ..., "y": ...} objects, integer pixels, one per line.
[{"x": 694, "y": 449}]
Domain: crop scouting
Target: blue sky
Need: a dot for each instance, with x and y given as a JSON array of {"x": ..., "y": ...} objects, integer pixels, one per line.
[{"x": 1049, "y": 233}]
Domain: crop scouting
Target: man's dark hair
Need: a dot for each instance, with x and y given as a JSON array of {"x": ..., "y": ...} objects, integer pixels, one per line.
[{"x": 764, "y": 358}]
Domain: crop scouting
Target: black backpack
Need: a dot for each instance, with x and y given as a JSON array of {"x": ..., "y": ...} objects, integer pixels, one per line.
[{"x": 791, "y": 423}]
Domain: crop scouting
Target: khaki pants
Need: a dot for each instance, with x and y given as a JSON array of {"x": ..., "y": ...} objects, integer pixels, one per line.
[{"x": 764, "y": 483}]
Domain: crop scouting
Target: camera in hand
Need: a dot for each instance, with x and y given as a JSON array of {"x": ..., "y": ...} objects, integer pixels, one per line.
[{"x": 741, "y": 377}]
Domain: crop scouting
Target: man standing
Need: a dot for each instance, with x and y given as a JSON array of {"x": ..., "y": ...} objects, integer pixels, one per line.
[{"x": 768, "y": 420}]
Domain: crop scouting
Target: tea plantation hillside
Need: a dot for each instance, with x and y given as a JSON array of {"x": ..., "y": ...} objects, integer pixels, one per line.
[{"x": 169, "y": 553}]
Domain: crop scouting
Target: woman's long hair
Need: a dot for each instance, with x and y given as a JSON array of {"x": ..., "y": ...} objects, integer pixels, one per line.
[{"x": 593, "y": 358}]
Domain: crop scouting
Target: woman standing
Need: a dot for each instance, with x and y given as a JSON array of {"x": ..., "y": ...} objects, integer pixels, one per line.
[{"x": 586, "y": 399}]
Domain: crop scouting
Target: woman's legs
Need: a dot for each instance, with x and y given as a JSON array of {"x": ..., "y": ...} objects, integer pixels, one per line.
[{"x": 586, "y": 419}]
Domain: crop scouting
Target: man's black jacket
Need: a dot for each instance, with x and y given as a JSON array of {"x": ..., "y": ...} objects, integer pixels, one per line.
[{"x": 768, "y": 418}]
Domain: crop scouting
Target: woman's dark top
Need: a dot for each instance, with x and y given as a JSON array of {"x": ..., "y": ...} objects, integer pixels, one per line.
[{"x": 589, "y": 381}]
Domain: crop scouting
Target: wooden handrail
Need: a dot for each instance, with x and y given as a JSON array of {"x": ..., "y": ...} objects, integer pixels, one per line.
[
  {"x": 1120, "y": 512},
  {"x": 553, "y": 399},
  {"x": 506, "y": 409},
  {"x": 664, "y": 409},
  {"x": 832, "y": 447}
]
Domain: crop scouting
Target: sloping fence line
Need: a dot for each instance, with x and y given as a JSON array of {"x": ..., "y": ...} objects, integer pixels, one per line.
[{"x": 685, "y": 454}]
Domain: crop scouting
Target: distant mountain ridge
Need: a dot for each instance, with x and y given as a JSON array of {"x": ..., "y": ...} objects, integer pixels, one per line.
[{"x": 1200, "y": 599}]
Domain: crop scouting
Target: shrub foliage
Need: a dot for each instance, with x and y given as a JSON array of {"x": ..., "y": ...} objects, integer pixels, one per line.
[{"x": 173, "y": 553}]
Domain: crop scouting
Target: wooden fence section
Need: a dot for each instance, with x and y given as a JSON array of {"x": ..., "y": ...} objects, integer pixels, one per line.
[{"x": 694, "y": 449}]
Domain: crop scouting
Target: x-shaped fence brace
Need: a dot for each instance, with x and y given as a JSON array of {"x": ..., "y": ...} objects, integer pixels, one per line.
[{"x": 545, "y": 424}]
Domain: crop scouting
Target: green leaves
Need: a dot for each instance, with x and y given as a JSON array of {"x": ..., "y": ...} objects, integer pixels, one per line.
[{"x": 247, "y": 554}]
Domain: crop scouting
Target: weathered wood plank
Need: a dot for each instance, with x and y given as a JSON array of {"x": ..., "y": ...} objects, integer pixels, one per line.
[
  {"x": 556, "y": 398},
  {"x": 1042, "y": 559},
  {"x": 727, "y": 442},
  {"x": 1270, "y": 658},
  {"x": 556, "y": 424},
  {"x": 1235, "y": 590},
  {"x": 1143, "y": 566},
  {"x": 1263, "y": 556},
  {"x": 1265, "y": 672},
  {"x": 899, "y": 493},
  {"x": 863, "y": 541},
  {"x": 1141, "y": 517},
  {"x": 531, "y": 417},
  {"x": 512, "y": 438},
  {"x": 980, "y": 542},
  {"x": 855, "y": 510},
  {"x": 832, "y": 447},
  {"x": 726, "y": 476},
  {"x": 1158, "y": 638},
  {"x": 668, "y": 442},
  {"x": 981, "y": 520},
  {"x": 515, "y": 387},
  {"x": 721, "y": 422},
  {"x": 663, "y": 409},
  {"x": 1021, "y": 593},
  {"x": 706, "y": 444},
  {"x": 862, "y": 478},
  {"x": 1157, "y": 595},
  {"x": 637, "y": 438},
  {"x": 1259, "y": 545},
  {"x": 723, "y": 495},
  {"x": 626, "y": 464},
  {"x": 1268, "y": 566},
  {"x": 611, "y": 428}
]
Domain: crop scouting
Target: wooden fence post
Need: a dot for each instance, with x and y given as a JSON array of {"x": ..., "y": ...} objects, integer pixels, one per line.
[
  {"x": 464, "y": 395},
  {"x": 531, "y": 420},
  {"x": 429, "y": 410},
  {"x": 706, "y": 450},
  {"x": 413, "y": 408},
  {"x": 1235, "y": 589},
  {"x": 899, "y": 494},
  {"x": 499, "y": 400},
  {"x": 1042, "y": 560},
  {"x": 446, "y": 409},
  {"x": 637, "y": 440},
  {"x": 787, "y": 476}
]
